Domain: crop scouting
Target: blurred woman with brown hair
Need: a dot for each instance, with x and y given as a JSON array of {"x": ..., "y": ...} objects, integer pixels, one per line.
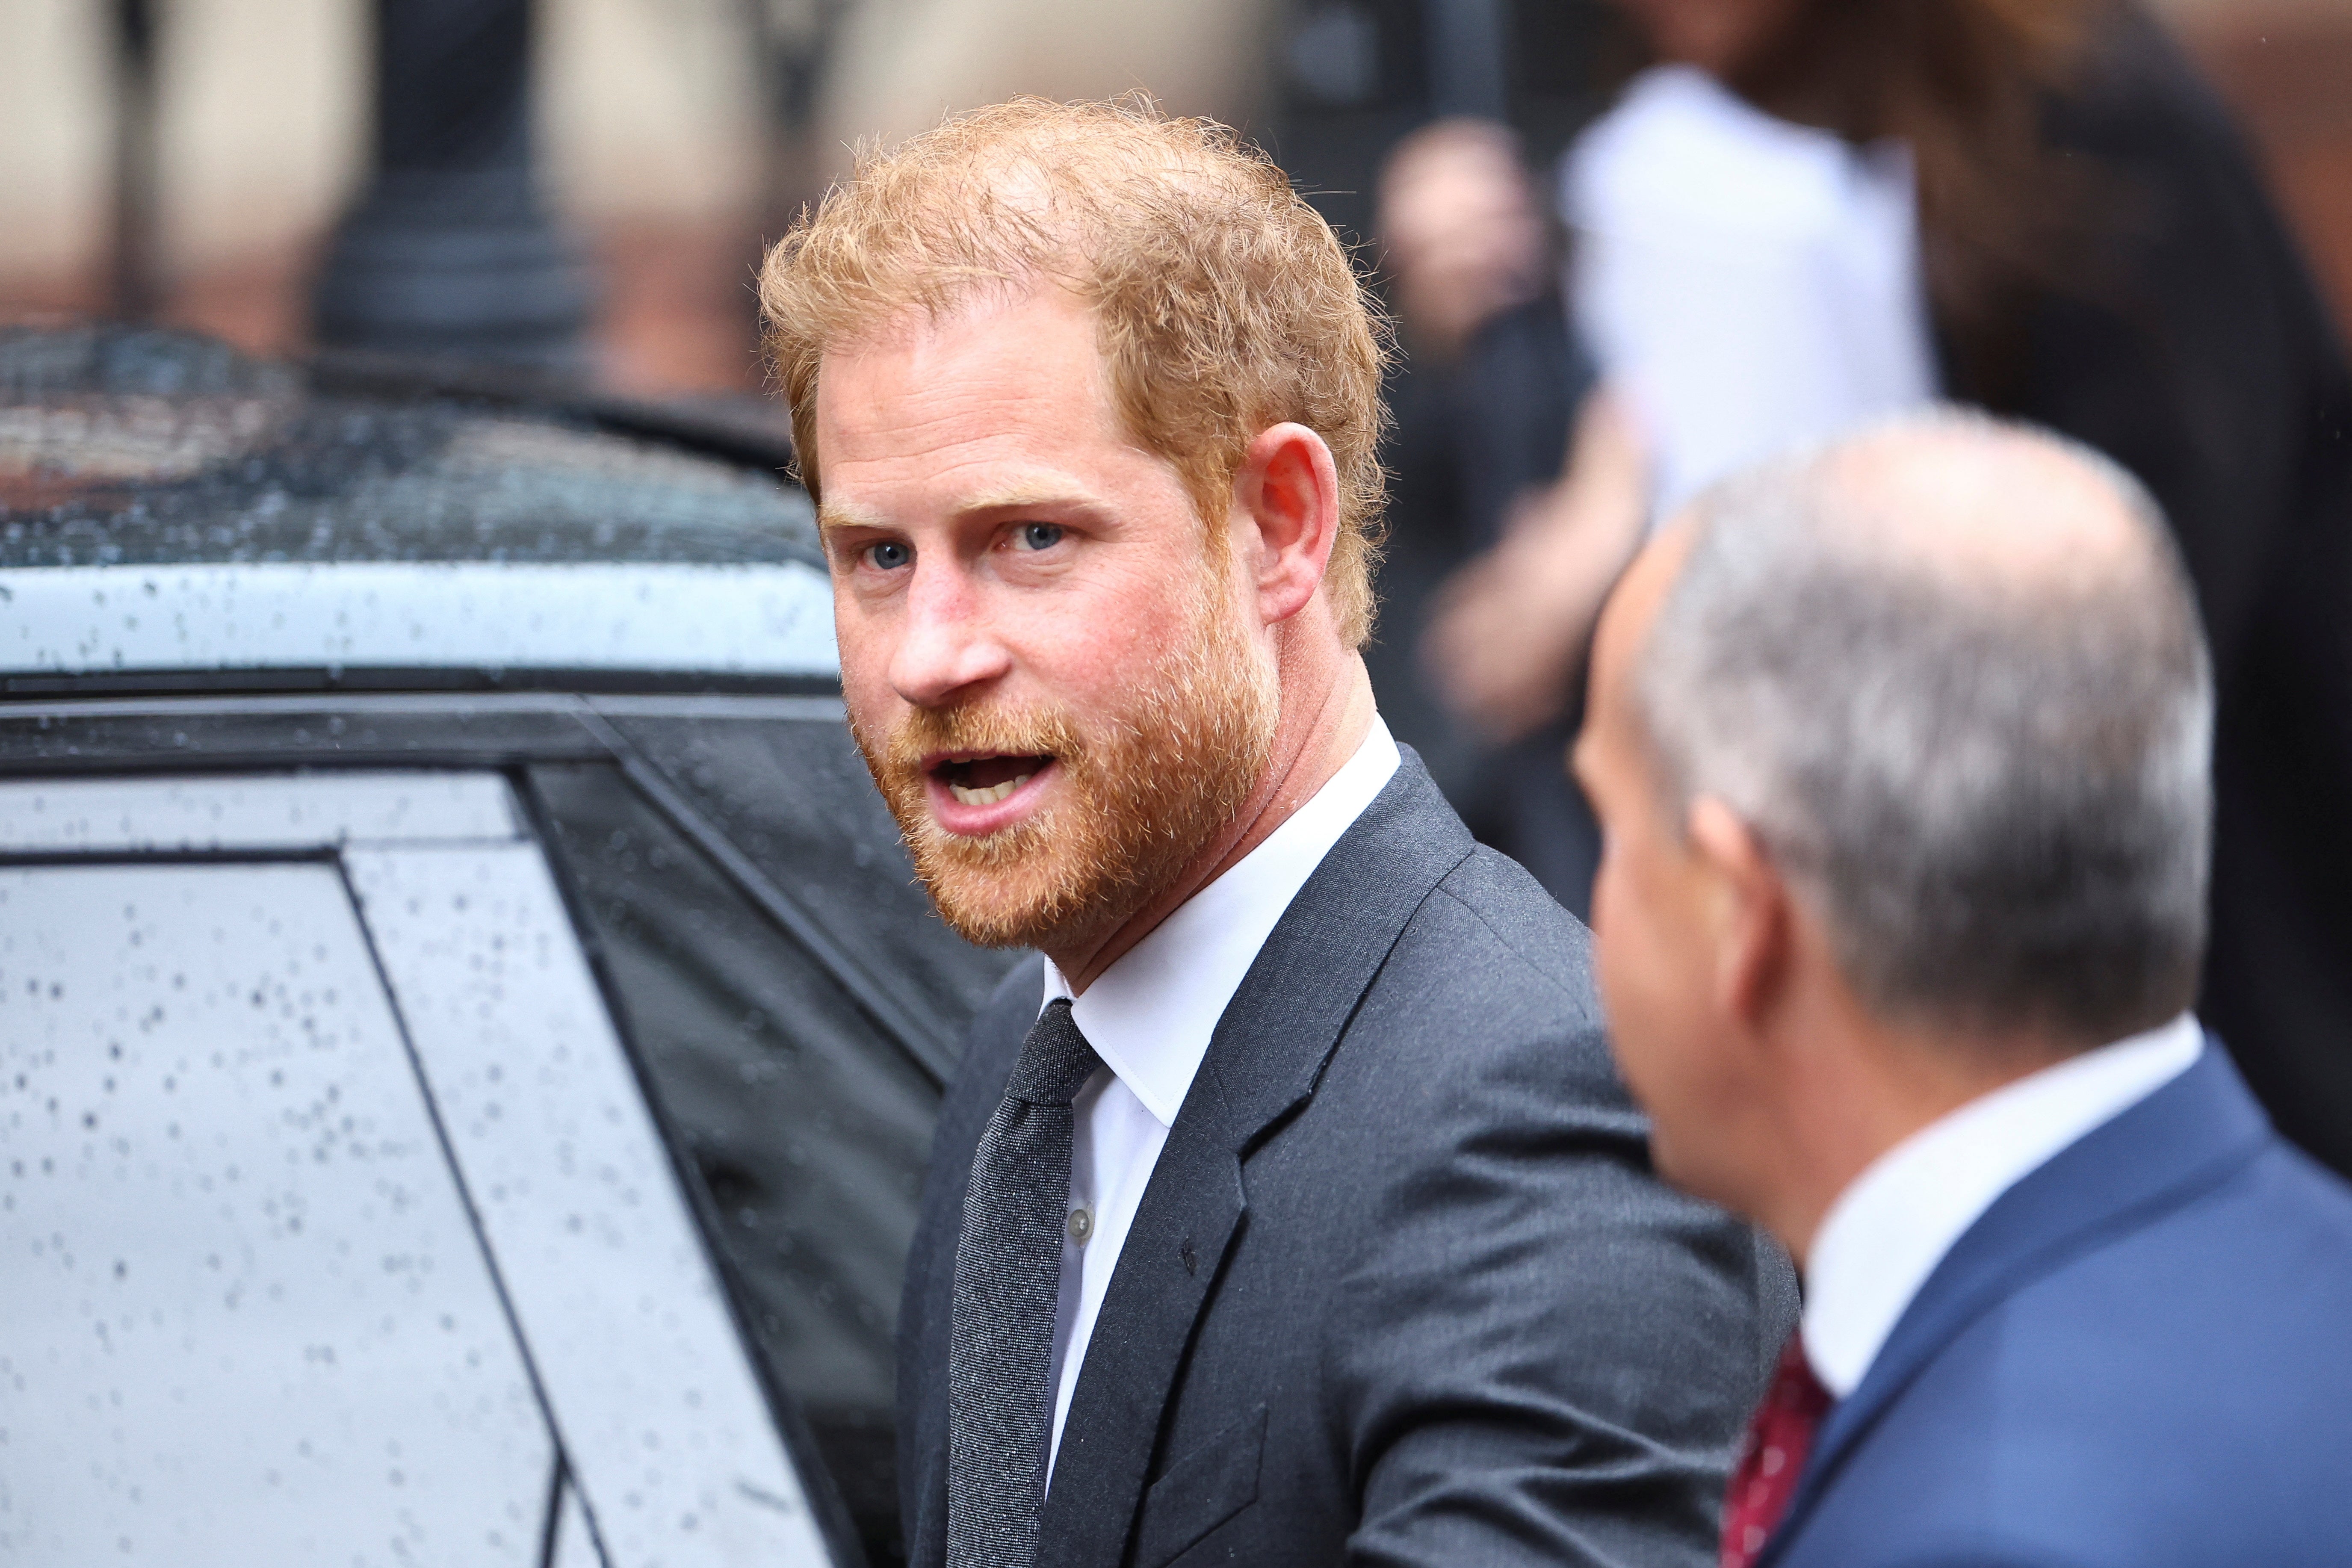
[{"x": 2094, "y": 251}]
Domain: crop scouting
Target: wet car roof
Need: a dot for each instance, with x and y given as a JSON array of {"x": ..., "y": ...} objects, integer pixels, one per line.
[
  {"x": 137, "y": 448},
  {"x": 167, "y": 503}
]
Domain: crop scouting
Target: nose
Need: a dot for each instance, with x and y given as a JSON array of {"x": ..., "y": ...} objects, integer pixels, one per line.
[{"x": 947, "y": 643}]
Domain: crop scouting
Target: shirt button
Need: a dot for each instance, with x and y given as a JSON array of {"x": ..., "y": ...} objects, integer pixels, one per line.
[{"x": 1082, "y": 1226}]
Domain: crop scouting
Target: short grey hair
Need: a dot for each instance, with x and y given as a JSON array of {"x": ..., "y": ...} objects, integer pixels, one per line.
[{"x": 1993, "y": 787}]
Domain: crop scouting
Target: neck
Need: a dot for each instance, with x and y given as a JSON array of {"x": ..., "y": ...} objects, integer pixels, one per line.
[
  {"x": 1320, "y": 729},
  {"x": 1850, "y": 1103}
]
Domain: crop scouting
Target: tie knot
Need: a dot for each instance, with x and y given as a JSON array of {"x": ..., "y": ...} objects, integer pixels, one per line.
[{"x": 1055, "y": 1060}]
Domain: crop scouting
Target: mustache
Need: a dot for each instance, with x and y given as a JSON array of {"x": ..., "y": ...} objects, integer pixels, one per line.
[{"x": 922, "y": 732}]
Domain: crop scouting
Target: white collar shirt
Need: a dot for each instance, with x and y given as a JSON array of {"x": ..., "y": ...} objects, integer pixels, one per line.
[
  {"x": 1894, "y": 1224},
  {"x": 1150, "y": 1016}
]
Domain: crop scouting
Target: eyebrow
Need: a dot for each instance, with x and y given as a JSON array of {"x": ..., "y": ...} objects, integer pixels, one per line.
[
  {"x": 1020, "y": 495},
  {"x": 832, "y": 515}
]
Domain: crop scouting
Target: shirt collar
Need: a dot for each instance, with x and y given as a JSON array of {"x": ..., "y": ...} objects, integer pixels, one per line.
[
  {"x": 1887, "y": 1232},
  {"x": 1151, "y": 1013}
]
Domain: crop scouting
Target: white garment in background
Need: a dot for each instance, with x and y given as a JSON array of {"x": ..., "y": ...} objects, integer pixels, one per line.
[
  {"x": 1150, "y": 1016},
  {"x": 1887, "y": 1232},
  {"x": 1749, "y": 284}
]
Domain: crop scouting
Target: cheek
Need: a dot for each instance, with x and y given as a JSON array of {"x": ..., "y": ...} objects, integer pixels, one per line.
[
  {"x": 866, "y": 644},
  {"x": 1089, "y": 651},
  {"x": 1643, "y": 985},
  {"x": 1617, "y": 926}
]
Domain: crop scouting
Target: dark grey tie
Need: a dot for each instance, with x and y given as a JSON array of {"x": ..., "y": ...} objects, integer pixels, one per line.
[{"x": 1008, "y": 1273}]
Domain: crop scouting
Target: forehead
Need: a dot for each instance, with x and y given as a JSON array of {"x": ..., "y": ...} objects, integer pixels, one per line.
[
  {"x": 1615, "y": 739},
  {"x": 1633, "y": 606},
  {"x": 1006, "y": 392}
]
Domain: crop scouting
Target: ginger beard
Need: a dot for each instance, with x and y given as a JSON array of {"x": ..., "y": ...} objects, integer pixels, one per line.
[{"x": 1143, "y": 790}]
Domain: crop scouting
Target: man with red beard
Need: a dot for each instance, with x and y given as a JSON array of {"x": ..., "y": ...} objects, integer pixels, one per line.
[{"x": 1288, "y": 1211}]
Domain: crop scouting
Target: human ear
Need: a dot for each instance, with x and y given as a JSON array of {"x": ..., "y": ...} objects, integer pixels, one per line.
[
  {"x": 1288, "y": 491},
  {"x": 1747, "y": 910}
]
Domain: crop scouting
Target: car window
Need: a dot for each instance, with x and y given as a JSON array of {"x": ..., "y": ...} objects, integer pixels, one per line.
[
  {"x": 701, "y": 838},
  {"x": 338, "y": 1227},
  {"x": 242, "y": 1281},
  {"x": 809, "y": 1130},
  {"x": 797, "y": 800}
]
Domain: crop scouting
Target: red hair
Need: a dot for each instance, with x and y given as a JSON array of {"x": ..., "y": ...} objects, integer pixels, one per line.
[{"x": 1224, "y": 302}]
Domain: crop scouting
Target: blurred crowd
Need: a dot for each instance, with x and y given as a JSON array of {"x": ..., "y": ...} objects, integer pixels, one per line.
[{"x": 1801, "y": 217}]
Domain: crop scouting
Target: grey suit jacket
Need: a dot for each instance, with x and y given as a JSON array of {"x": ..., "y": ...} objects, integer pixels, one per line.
[{"x": 1402, "y": 1289}]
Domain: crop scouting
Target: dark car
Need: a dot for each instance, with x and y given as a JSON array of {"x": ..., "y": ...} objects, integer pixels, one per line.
[{"x": 468, "y": 1033}]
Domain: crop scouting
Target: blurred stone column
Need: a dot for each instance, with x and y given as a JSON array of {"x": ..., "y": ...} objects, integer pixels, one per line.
[
  {"x": 451, "y": 252},
  {"x": 135, "y": 283}
]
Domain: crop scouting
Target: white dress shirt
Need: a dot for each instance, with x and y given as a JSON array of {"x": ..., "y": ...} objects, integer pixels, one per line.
[
  {"x": 1150, "y": 1016},
  {"x": 1894, "y": 1222},
  {"x": 1751, "y": 285}
]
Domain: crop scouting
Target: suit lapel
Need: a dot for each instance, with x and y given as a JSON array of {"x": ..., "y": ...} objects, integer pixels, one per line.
[
  {"x": 2180, "y": 1140},
  {"x": 1269, "y": 1048}
]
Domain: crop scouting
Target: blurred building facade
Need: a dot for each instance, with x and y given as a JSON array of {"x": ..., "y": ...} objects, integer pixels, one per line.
[
  {"x": 672, "y": 143},
  {"x": 656, "y": 126},
  {"x": 650, "y": 133}
]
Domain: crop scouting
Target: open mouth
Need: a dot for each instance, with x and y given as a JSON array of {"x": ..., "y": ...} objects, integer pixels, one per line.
[{"x": 984, "y": 780}]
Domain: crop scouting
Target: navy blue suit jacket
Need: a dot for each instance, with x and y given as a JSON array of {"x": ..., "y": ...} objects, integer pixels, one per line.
[{"x": 2141, "y": 1355}]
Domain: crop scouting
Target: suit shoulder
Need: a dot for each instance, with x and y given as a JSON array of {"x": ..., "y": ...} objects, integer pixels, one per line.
[
  {"x": 1491, "y": 929},
  {"x": 2256, "y": 1270},
  {"x": 2194, "y": 1355},
  {"x": 1496, "y": 971},
  {"x": 2257, "y": 1255}
]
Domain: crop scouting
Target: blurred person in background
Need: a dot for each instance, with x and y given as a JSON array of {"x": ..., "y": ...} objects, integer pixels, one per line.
[
  {"x": 1485, "y": 393},
  {"x": 1903, "y": 753},
  {"x": 2088, "y": 246}
]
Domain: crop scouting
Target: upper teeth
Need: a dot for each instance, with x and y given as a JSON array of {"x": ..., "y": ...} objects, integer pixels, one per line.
[{"x": 989, "y": 794}]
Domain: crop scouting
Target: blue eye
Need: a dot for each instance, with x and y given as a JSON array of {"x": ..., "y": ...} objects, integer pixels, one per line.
[
  {"x": 1040, "y": 535},
  {"x": 888, "y": 556}
]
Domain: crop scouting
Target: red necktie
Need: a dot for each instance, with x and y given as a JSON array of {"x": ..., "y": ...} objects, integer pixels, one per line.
[{"x": 1779, "y": 1437}]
